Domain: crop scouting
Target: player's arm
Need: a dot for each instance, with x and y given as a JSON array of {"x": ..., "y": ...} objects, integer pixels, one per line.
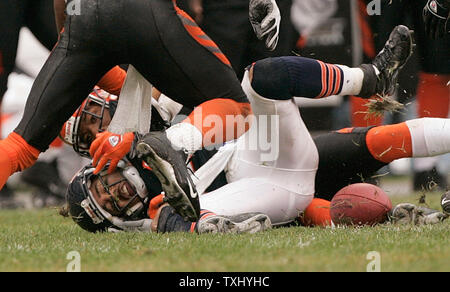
[
  {"x": 113, "y": 81},
  {"x": 60, "y": 15}
]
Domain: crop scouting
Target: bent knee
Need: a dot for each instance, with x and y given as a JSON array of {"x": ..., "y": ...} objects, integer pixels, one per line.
[{"x": 270, "y": 78}]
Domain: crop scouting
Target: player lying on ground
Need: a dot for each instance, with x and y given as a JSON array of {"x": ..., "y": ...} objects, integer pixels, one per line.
[
  {"x": 280, "y": 186},
  {"x": 120, "y": 201},
  {"x": 165, "y": 45}
]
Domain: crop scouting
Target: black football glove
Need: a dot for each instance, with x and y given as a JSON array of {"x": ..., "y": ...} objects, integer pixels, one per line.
[
  {"x": 265, "y": 18},
  {"x": 436, "y": 17}
]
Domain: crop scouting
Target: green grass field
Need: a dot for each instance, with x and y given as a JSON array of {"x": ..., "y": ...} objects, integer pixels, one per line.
[{"x": 40, "y": 241}]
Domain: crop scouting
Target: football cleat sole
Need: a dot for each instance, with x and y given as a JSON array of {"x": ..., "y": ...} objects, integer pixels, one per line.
[
  {"x": 245, "y": 223},
  {"x": 185, "y": 204},
  {"x": 393, "y": 57}
]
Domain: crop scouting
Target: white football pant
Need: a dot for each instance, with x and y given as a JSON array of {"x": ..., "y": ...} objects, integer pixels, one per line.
[{"x": 273, "y": 168}]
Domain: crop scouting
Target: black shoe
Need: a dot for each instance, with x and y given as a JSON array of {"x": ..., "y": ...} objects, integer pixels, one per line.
[
  {"x": 396, "y": 52},
  {"x": 445, "y": 203},
  {"x": 170, "y": 168},
  {"x": 430, "y": 180}
]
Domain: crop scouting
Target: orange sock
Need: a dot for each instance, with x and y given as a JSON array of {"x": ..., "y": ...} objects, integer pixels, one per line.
[
  {"x": 15, "y": 155},
  {"x": 317, "y": 214},
  {"x": 433, "y": 95},
  {"x": 388, "y": 143},
  {"x": 220, "y": 120},
  {"x": 113, "y": 81}
]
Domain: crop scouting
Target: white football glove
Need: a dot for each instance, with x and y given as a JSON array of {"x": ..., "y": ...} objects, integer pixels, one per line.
[
  {"x": 265, "y": 18},
  {"x": 411, "y": 214},
  {"x": 131, "y": 226}
]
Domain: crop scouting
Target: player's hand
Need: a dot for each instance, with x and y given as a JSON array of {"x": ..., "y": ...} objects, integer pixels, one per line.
[
  {"x": 436, "y": 18},
  {"x": 110, "y": 147},
  {"x": 265, "y": 18}
]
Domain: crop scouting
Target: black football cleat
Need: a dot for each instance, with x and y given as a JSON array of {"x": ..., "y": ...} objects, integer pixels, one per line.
[
  {"x": 170, "y": 168},
  {"x": 445, "y": 203},
  {"x": 392, "y": 58}
]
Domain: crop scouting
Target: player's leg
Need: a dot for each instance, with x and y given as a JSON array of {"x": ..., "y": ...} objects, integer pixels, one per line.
[
  {"x": 256, "y": 195},
  {"x": 11, "y": 21},
  {"x": 266, "y": 173},
  {"x": 273, "y": 84},
  {"x": 177, "y": 57},
  {"x": 285, "y": 77},
  {"x": 274, "y": 140},
  {"x": 352, "y": 155},
  {"x": 40, "y": 19},
  {"x": 344, "y": 158},
  {"x": 183, "y": 63},
  {"x": 227, "y": 24},
  {"x": 355, "y": 154},
  {"x": 67, "y": 77},
  {"x": 433, "y": 92},
  {"x": 179, "y": 53}
]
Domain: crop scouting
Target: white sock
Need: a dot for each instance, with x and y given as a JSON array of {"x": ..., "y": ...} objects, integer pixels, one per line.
[
  {"x": 353, "y": 80},
  {"x": 185, "y": 136},
  {"x": 425, "y": 163},
  {"x": 430, "y": 136}
]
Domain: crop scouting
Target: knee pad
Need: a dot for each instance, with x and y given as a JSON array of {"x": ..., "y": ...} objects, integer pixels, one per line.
[{"x": 271, "y": 79}]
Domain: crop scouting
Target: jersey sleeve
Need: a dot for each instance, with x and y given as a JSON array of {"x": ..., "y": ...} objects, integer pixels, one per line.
[{"x": 113, "y": 81}]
